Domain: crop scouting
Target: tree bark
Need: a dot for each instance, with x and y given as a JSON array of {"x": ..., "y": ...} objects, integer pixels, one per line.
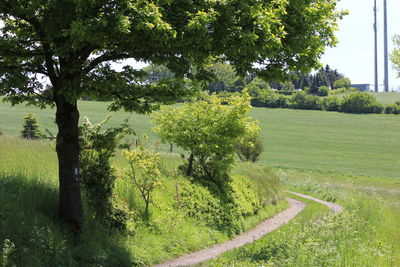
[
  {"x": 70, "y": 204},
  {"x": 189, "y": 169}
]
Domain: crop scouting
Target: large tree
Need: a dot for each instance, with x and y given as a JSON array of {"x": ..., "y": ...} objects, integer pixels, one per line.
[{"x": 69, "y": 45}]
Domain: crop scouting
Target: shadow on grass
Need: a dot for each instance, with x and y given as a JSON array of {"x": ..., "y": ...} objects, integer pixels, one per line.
[{"x": 28, "y": 218}]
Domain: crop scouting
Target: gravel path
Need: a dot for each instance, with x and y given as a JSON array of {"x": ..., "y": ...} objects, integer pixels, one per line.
[
  {"x": 334, "y": 207},
  {"x": 267, "y": 226}
]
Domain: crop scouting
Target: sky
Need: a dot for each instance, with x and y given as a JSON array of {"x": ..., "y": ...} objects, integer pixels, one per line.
[{"x": 354, "y": 54}]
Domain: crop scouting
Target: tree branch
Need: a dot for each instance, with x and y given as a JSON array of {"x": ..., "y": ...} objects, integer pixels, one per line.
[{"x": 104, "y": 58}]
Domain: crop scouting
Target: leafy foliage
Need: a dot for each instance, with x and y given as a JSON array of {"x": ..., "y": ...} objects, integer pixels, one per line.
[
  {"x": 221, "y": 210},
  {"x": 97, "y": 175},
  {"x": 144, "y": 172},
  {"x": 30, "y": 128},
  {"x": 249, "y": 149},
  {"x": 395, "y": 55},
  {"x": 393, "y": 108},
  {"x": 331, "y": 103},
  {"x": 342, "y": 83},
  {"x": 323, "y": 91},
  {"x": 208, "y": 130},
  {"x": 360, "y": 103}
]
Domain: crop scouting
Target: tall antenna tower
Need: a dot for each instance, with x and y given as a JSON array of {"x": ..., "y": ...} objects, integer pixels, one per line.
[
  {"x": 385, "y": 39},
  {"x": 376, "y": 46}
]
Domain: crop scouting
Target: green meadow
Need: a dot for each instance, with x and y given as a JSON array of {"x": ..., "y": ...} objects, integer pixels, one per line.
[{"x": 315, "y": 140}]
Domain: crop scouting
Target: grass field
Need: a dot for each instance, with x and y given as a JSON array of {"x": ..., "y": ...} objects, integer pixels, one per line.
[
  {"x": 387, "y": 98},
  {"x": 316, "y": 140}
]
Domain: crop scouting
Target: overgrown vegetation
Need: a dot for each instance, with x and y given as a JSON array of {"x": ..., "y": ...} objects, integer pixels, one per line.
[
  {"x": 30, "y": 198},
  {"x": 97, "y": 175}
]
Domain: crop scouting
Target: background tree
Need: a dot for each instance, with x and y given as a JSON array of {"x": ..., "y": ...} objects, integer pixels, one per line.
[
  {"x": 342, "y": 83},
  {"x": 395, "y": 55},
  {"x": 73, "y": 43}
]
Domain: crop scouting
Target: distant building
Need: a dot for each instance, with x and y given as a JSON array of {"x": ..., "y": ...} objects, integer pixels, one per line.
[{"x": 363, "y": 87}]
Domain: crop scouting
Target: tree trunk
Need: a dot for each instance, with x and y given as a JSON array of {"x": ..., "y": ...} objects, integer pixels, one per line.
[
  {"x": 70, "y": 205},
  {"x": 189, "y": 169}
]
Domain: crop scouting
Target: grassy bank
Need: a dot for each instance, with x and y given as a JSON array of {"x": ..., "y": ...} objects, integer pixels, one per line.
[{"x": 32, "y": 235}]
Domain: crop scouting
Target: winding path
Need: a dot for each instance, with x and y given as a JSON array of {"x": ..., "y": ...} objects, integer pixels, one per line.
[{"x": 267, "y": 226}]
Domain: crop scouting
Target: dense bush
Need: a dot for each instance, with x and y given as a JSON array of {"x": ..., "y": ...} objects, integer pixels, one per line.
[
  {"x": 97, "y": 175},
  {"x": 270, "y": 99},
  {"x": 360, "y": 103},
  {"x": 301, "y": 100},
  {"x": 323, "y": 91},
  {"x": 331, "y": 103},
  {"x": 1, "y": 132},
  {"x": 392, "y": 109},
  {"x": 249, "y": 149},
  {"x": 223, "y": 210},
  {"x": 30, "y": 128},
  {"x": 209, "y": 130}
]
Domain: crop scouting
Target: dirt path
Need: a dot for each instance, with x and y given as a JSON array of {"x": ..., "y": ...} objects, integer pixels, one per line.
[
  {"x": 334, "y": 207},
  {"x": 267, "y": 226}
]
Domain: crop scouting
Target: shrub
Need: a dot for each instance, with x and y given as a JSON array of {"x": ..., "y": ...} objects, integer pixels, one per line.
[
  {"x": 1, "y": 132},
  {"x": 30, "y": 128},
  {"x": 249, "y": 149},
  {"x": 301, "y": 100},
  {"x": 97, "y": 175},
  {"x": 275, "y": 100},
  {"x": 343, "y": 90},
  {"x": 218, "y": 209},
  {"x": 360, "y": 103},
  {"x": 209, "y": 131},
  {"x": 144, "y": 172},
  {"x": 323, "y": 91},
  {"x": 331, "y": 103},
  {"x": 342, "y": 83},
  {"x": 392, "y": 109}
]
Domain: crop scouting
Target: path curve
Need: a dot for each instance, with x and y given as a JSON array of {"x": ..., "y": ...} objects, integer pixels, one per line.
[
  {"x": 332, "y": 206},
  {"x": 267, "y": 226}
]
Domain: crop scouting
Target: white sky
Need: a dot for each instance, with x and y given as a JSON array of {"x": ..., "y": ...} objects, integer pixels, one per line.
[{"x": 354, "y": 54}]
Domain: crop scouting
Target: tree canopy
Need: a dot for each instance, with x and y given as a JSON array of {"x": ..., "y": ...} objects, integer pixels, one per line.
[{"x": 68, "y": 46}]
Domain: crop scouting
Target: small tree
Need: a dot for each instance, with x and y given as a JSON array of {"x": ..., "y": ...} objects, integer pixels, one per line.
[
  {"x": 144, "y": 172},
  {"x": 208, "y": 129},
  {"x": 30, "y": 128}
]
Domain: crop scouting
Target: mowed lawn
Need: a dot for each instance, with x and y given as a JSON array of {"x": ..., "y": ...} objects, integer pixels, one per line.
[{"x": 327, "y": 141}]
